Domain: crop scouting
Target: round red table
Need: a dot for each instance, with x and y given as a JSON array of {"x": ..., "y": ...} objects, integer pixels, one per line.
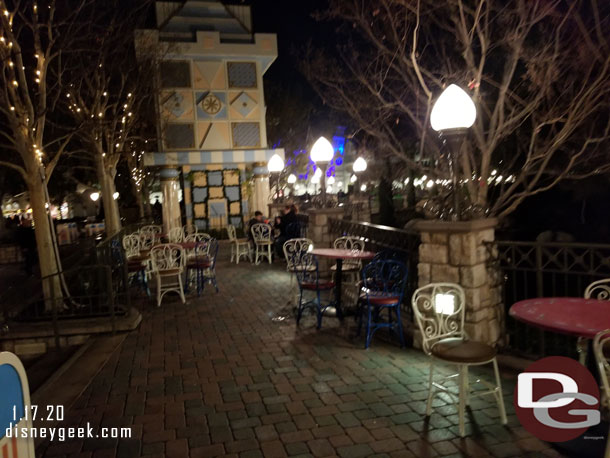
[
  {"x": 575, "y": 316},
  {"x": 339, "y": 255}
]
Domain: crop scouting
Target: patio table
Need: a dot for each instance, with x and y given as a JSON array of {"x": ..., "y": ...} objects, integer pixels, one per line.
[
  {"x": 574, "y": 316},
  {"x": 339, "y": 255}
]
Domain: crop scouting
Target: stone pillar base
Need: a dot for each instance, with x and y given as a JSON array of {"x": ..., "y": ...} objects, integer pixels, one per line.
[{"x": 455, "y": 252}]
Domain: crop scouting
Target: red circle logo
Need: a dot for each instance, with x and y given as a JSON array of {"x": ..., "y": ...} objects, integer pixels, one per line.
[{"x": 557, "y": 399}]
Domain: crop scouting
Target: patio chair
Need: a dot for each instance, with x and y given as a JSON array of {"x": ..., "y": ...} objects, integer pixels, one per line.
[
  {"x": 168, "y": 261},
  {"x": 599, "y": 290},
  {"x": 294, "y": 250},
  {"x": 203, "y": 262},
  {"x": 308, "y": 277},
  {"x": 383, "y": 287},
  {"x": 239, "y": 247},
  {"x": 151, "y": 228},
  {"x": 439, "y": 309},
  {"x": 350, "y": 268},
  {"x": 176, "y": 235},
  {"x": 261, "y": 233},
  {"x": 136, "y": 262},
  {"x": 600, "y": 341}
]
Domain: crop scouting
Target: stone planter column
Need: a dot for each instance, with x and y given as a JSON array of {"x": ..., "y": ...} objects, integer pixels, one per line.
[
  {"x": 171, "y": 202},
  {"x": 318, "y": 230},
  {"x": 260, "y": 193},
  {"x": 455, "y": 252}
]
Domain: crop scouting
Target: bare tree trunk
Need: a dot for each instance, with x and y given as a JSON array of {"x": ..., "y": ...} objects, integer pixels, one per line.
[
  {"x": 44, "y": 244},
  {"x": 112, "y": 220}
]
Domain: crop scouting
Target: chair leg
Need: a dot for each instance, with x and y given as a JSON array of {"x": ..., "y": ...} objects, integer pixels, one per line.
[
  {"x": 269, "y": 253},
  {"x": 158, "y": 291},
  {"x": 498, "y": 393},
  {"x": 181, "y": 291},
  {"x": 461, "y": 401},
  {"x": 430, "y": 390},
  {"x": 319, "y": 309},
  {"x": 299, "y": 307},
  {"x": 368, "y": 326},
  {"x": 401, "y": 336},
  {"x": 232, "y": 252}
]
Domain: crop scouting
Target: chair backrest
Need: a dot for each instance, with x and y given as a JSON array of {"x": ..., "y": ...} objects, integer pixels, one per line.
[
  {"x": 601, "y": 339},
  {"x": 198, "y": 237},
  {"x": 151, "y": 228},
  {"x": 167, "y": 256},
  {"x": 212, "y": 252},
  {"x": 261, "y": 232},
  {"x": 599, "y": 290},
  {"x": 131, "y": 244},
  {"x": 385, "y": 278},
  {"x": 349, "y": 243},
  {"x": 147, "y": 240},
  {"x": 176, "y": 235},
  {"x": 189, "y": 229},
  {"x": 294, "y": 249},
  {"x": 439, "y": 310},
  {"x": 231, "y": 233},
  {"x": 306, "y": 269}
]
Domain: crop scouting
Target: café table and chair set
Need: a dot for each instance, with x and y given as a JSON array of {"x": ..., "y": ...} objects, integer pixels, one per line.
[{"x": 187, "y": 253}]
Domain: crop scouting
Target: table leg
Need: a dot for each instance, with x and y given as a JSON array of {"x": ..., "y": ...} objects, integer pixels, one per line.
[{"x": 338, "y": 279}]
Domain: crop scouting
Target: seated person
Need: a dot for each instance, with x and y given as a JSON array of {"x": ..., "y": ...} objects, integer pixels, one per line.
[{"x": 258, "y": 218}]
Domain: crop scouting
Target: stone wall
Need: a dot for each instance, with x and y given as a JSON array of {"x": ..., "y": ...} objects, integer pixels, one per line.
[{"x": 455, "y": 252}]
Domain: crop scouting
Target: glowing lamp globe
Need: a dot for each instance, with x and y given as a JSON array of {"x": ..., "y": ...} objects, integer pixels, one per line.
[
  {"x": 322, "y": 151},
  {"x": 116, "y": 195},
  {"x": 352, "y": 179},
  {"x": 330, "y": 180},
  {"x": 359, "y": 165},
  {"x": 318, "y": 173},
  {"x": 454, "y": 109},
  {"x": 275, "y": 164},
  {"x": 292, "y": 178},
  {"x": 315, "y": 179},
  {"x": 94, "y": 196}
]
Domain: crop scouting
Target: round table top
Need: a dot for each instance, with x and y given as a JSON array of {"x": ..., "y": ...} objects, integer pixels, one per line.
[
  {"x": 342, "y": 254},
  {"x": 567, "y": 315}
]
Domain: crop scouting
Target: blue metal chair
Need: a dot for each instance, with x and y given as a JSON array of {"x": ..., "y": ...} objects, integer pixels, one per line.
[
  {"x": 383, "y": 287},
  {"x": 203, "y": 262},
  {"x": 308, "y": 276}
]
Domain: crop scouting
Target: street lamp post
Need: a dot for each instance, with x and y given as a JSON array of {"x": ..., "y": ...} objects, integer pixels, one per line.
[
  {"x": 292, "y": 179},
  {"x": 275, "y": 167},
  {"x": 322, "y": 153},
  {"x": 359, "y": 166},
  {"x": 451, "y": 116}
]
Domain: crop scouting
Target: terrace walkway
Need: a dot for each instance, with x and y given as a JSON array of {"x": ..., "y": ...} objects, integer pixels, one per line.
[{"x": 221, "y": 377}]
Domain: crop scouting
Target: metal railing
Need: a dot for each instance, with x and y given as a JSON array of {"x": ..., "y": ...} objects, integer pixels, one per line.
[
  {"x": 545, "y": 269},
  {"x": 402, "y": 243}
]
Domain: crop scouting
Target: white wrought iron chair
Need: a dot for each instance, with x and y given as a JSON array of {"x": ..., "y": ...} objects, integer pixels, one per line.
[
  {"x": 239, "y": 247},
  {"x": 294, "y": 250},
  {"x": 131, "y": 245},
  {"x": 439, "y": 309},
  {"x": 350, "y": 268},
  {"x": 151, "y": 228},
  {"x": 176, "y": 235},
  {"x": 599, "y": 290},
  {"x": 201, "y": 239},
  {"x": 261, "y": 233},
  {"x": 601, "y": 339},
  {"x": 168, "y": 261}
]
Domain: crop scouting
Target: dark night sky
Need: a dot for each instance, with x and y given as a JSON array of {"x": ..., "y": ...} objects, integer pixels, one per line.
[{"x": 294, "y": 26}]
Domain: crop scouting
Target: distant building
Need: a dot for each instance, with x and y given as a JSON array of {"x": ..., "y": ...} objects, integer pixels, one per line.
[{"x": 211, "y": 112}]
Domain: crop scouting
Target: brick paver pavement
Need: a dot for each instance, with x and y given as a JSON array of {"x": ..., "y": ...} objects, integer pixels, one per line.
[{"x": 222, "y": 376}]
